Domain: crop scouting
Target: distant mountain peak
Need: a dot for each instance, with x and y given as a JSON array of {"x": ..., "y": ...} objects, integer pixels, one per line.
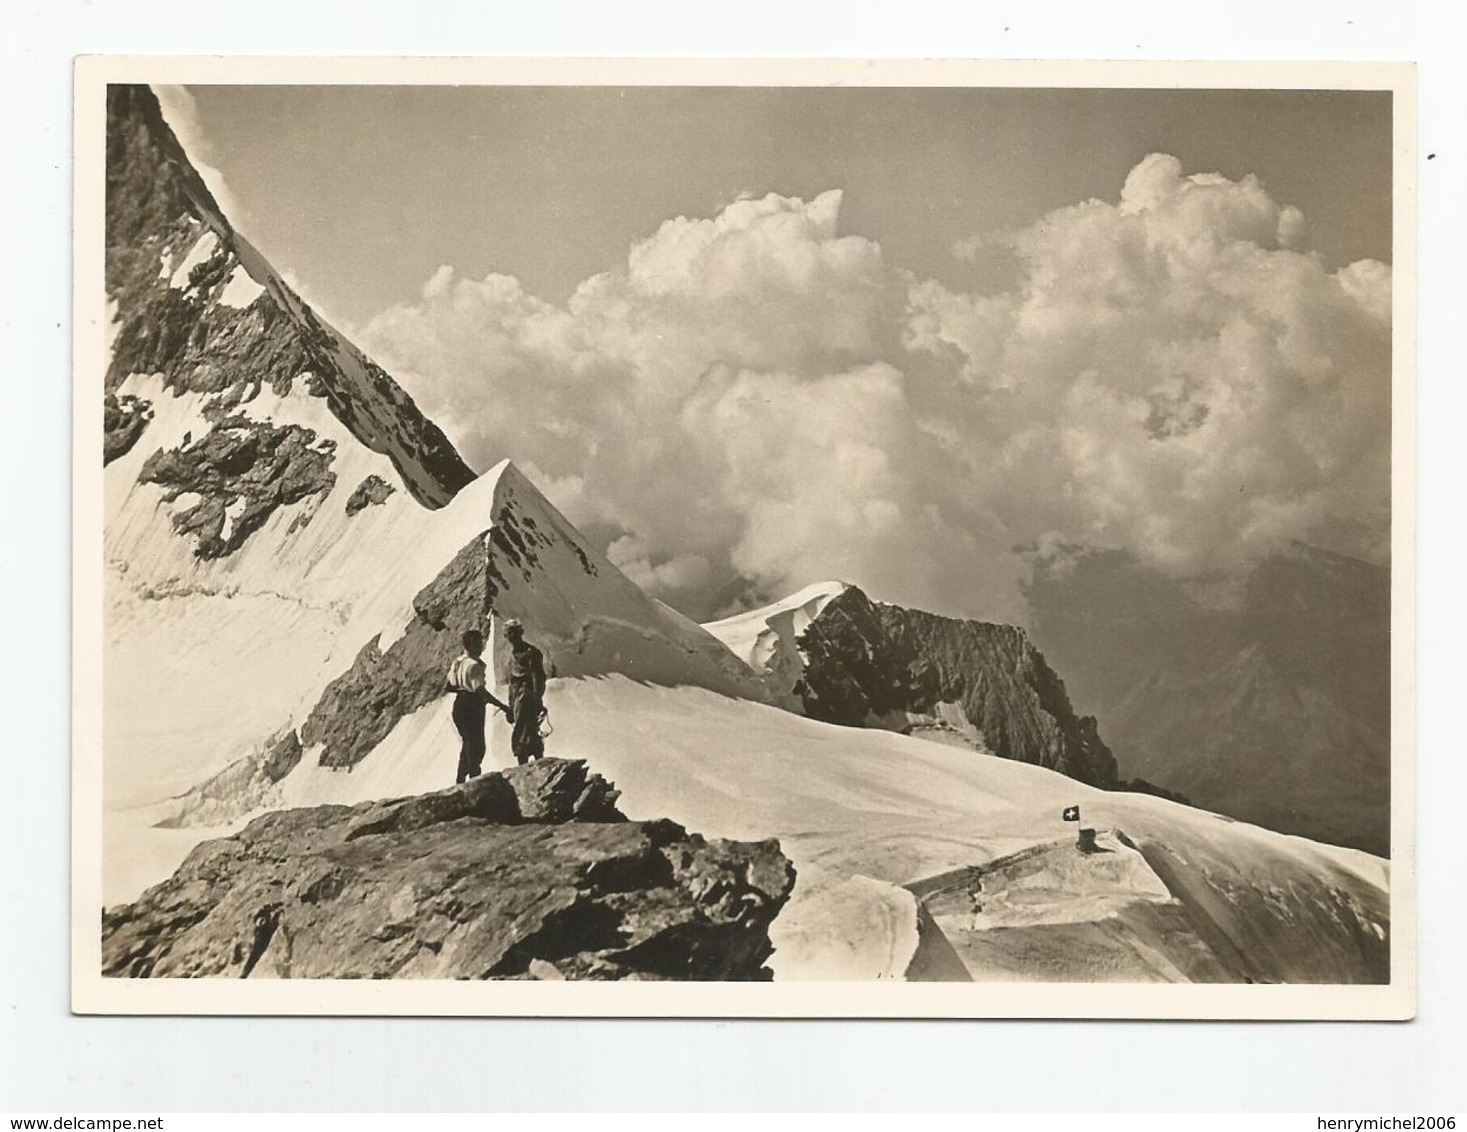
[{"x": 833, "y": 654}]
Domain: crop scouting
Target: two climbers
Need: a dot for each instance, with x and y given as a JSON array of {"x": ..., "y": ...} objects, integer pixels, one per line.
[{"x": 468, "y": 681}]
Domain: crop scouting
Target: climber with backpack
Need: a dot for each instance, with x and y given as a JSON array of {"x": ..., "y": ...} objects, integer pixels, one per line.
[
  {"x": 468, "y": 681},
  {"x": 526, "y": 710}
]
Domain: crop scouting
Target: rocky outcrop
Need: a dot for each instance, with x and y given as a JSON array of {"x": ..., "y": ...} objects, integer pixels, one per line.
[
  {"x": 870, "y": 664},
  {"x": 532, "y": 873},
  {"x": 241, "y": 472},
  {"x": 123, "y": 421},
  {"x": 199, "y": 306},
  {"x": 372, "y": 491}
]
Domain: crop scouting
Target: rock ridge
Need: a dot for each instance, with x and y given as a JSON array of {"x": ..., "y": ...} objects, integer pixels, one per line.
[
  {"x": 528, "y": 873},
  {"x": 871, "y": 664}
]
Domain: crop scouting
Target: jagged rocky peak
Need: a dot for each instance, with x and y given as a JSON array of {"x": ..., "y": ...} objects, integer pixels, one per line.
[
  {"x": 843, "y": 658},
  {"x": 529, "y": 873},
  {"x": 199, "y": 307}
]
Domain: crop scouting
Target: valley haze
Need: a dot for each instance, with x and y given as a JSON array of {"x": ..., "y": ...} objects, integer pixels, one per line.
[{"x": 877, "y": 507}]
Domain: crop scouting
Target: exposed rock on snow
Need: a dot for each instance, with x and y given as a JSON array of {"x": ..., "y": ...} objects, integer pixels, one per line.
[
  {"x": 240, "y": 473},
  {"x": 123, "y": 421},
  {"x": 372, "y": 491},
  {"x": 244, "y": 785},
  {"x": 588, "y": 617},
  {"x": 206, "y": 331},
  {"x": 364, "y": 703},
  {"x": 771, "y": 640},
  {"x": 532, "y": 873}
]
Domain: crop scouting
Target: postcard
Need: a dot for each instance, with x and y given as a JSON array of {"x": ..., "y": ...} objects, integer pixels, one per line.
[{"x": 763, "y": 538}]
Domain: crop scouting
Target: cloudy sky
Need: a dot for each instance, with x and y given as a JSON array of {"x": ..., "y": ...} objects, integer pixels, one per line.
[{"x": 750, "y": 339}]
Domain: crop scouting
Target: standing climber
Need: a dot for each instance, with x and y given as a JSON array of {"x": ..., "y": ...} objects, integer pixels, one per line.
[
  {"x": 467, "y": 681},
  {"x": 526, "y": 694}
]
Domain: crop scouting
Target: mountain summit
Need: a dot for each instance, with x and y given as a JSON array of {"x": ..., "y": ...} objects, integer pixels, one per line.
[
  {"x": 833, "y": 654},
  {"x": 200, "y": 309}
]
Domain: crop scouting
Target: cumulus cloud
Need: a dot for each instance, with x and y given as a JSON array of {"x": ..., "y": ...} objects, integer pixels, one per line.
[{"x": 758, "y": 396}]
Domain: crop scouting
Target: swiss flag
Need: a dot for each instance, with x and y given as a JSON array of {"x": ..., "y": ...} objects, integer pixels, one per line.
[{"x": 1072, "y": 813}]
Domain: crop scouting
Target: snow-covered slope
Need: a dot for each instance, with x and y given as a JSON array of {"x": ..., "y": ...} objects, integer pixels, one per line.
[
  {"x": 292, "y": 552},
  {"x": 766, "y": 639},
  {"x": 876, "y": 823},
  {"x": 253, "y": 457},
  {"x": 498, "y": 550}
]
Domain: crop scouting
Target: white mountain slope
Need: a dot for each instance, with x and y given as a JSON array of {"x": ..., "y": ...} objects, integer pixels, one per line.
[
  {"x": 863, "y": 814},
  {"x": 764, "y": 638},
  {"x": 1176, "y": 894},
  {"x": 252, "y": 456}
]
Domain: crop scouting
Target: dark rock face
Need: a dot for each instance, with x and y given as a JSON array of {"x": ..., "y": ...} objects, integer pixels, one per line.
[
  {"x": 868, "y": 663},
  {"x": 282, "y": 758},
  {"x": 1272, "y": 706},
  {"x": 259, "y": 466},
  {"x": 158, "y": 210},
  {"x": 123, "y": 421},
  {"x": 532, "y": 873},
  {"x": 370, "y": 492}
]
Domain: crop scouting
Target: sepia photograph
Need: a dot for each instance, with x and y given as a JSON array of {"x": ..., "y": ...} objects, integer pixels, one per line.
[{"x": 743, "y": 539}]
